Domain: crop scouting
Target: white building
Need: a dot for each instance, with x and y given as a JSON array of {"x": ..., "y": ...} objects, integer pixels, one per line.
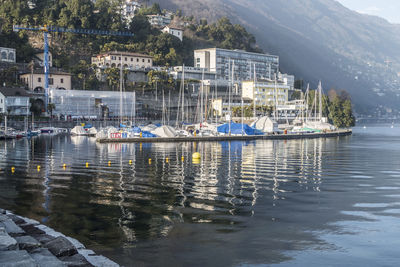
[
  {"x": 175, "y": 31},
  {"x": 159, "y": 20},
  {"x": 266, "y": 92},
  {"x": 36, "y": 80},
  {"x": 129, "y": 8},
  {"x": 16, "y": 101},
  {"x": 7, "y": 55},
  {"x": 129, "y": 60},
  {"x": 288, "y": 79},
  {"x": 222, "y": 60},
  {"x": 85, "y": 103},
  {"x": 2, "y": 103}
]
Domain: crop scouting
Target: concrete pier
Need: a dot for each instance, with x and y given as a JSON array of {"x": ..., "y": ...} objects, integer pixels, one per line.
[
  {"x": 227, "y": 138},
  {"x": 26, "y": 242}
]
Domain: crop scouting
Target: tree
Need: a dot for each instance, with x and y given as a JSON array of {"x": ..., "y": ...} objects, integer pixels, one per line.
[{"x": 50, "y": 108}]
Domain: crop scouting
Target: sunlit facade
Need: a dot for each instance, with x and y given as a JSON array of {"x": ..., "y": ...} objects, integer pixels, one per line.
[
  {"x": 266, "y": 93},
  {"x": 221, "y": 61}
]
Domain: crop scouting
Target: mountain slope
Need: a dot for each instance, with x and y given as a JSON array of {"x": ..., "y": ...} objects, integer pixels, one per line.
[{"x": 318, "y": 39}]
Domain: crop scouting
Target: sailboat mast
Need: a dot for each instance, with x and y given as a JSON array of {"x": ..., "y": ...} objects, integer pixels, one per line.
[
  {"x": 320, "y": 100},
  {"x": 202, "y": 98},
  {"x": 306, "y": 101},
  {"x": 183, "y": 92},
  {"x": 254, "y": 92},
  {"x": 120, "y": 92},
  {"x": 134, "y": 107},
  {"x": 276, "y": 99}
]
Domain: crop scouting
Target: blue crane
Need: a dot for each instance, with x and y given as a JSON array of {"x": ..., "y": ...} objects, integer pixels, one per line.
[{"x": 49, "y": 29}]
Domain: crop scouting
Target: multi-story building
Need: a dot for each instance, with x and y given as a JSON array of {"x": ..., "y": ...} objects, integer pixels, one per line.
[
  {"x": 222, "y": 61},
  {"x": 159, "y": 20},
  {"x": 92, "y": 104},
  {"x": 129, "y": 60},
  {"x": 266, "y": 92},
  {"x": 7, "y": 55},
  {"x": 288, "y": 79},
  {"x": 35, "y": 80},
  {"x": 192, "y": 73},
  {"x": 16, "y": 101},
  {"x": 129, "y": 8},
  {"x": 174, "y": 30}
]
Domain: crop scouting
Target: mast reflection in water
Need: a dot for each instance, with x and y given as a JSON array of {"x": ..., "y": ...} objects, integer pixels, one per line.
[{"x": 257, "y": 202}]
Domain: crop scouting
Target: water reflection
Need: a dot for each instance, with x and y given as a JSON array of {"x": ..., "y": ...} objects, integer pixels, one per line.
[{"x": 242, "y": 202}]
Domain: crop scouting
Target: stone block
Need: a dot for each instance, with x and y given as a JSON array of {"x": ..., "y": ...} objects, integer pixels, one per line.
[
  {"x": 76, "y": 260},
  {"x": 97, "y": 260},
  {"x": 3, "y": 217},
  {"x": 43, "y": 238},
  {"x": 61, "y": 247},
  {"x": 32, "y": 230},
  {"x": 44, "y": 258},
  {"x": 16, "y": 258},
  {"x": 16, "y": 219},
  {"x": 76, "y": 243},
  {"x": 27, "y": 242},
  {"x": 49, "y": 231},
  {"x": 11, "y": 228},
  {"x": 6, "y": 241}
]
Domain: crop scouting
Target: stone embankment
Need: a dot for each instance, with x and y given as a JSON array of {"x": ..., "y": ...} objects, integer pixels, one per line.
[{"x": 25, "y": 243}]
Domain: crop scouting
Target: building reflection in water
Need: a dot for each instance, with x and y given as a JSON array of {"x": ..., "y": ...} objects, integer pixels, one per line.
[{"x": 143, "y": 199}]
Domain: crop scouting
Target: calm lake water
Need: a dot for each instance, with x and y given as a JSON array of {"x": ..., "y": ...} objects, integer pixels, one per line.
[{"x": 322, "y": 202}]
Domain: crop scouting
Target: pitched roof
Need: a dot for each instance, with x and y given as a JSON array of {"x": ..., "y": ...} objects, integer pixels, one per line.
[
  {"x": 53, "y": 71},
  {"x": 175, "y": 27},
  {"x": 14, "y": 91}
]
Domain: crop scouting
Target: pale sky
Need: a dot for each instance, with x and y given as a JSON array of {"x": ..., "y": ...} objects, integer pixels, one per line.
[{"x": 388, "y": 9}]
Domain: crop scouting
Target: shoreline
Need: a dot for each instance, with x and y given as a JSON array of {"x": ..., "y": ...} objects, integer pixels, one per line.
[
  {"x": 227, "y": 138},
  {"x": 26, "y": 242}
]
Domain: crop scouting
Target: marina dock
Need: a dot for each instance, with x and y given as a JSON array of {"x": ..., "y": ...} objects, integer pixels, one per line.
[{"x": 289, "y": 136}]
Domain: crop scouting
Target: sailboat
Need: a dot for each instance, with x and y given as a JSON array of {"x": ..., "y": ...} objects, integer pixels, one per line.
[{"x": 318, "y": 123}]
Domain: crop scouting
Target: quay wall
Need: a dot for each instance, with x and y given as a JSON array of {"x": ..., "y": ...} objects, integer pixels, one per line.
[{"x": 226, "y": 138}]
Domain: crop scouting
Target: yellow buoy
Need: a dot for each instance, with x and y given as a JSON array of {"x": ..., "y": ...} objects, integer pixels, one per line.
[
  {"x": 183, "y": 158},
  {"x": 87, "y": 164},
  {"x": 195, "y": 161},
  {"x": 196, "y": 155},
  {"x": 167, "y": 160},
  {"x": 38, "y": 168},
  {"x": 130, "y": 162},
  {"x": 109, "y": 163},
  {"x": 12, "y": 169},
  {"x": 141, "y": 134},
  {"x": 149, "y": 161},
  {"x": 65, "y": 166}
]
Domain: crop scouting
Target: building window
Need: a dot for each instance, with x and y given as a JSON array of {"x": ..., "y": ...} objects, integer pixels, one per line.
[
  {"x": 142, "y": 59},
  {"x": 179, "y": 33},
  {"x": 62, "y": 80},
  {"x": 51, "y": 81},
  {"x": 126, "y": 59},
  {"x": 198, "y": 60},
  {"x": 137, "y": 60},
  {"x": 131, "y": 59},
  {"x": 11, "y": 56},
  {"x": 39, "y": 80},
  {"x": 148, "y": 60},
  {"x": 119, "y": 58}
]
